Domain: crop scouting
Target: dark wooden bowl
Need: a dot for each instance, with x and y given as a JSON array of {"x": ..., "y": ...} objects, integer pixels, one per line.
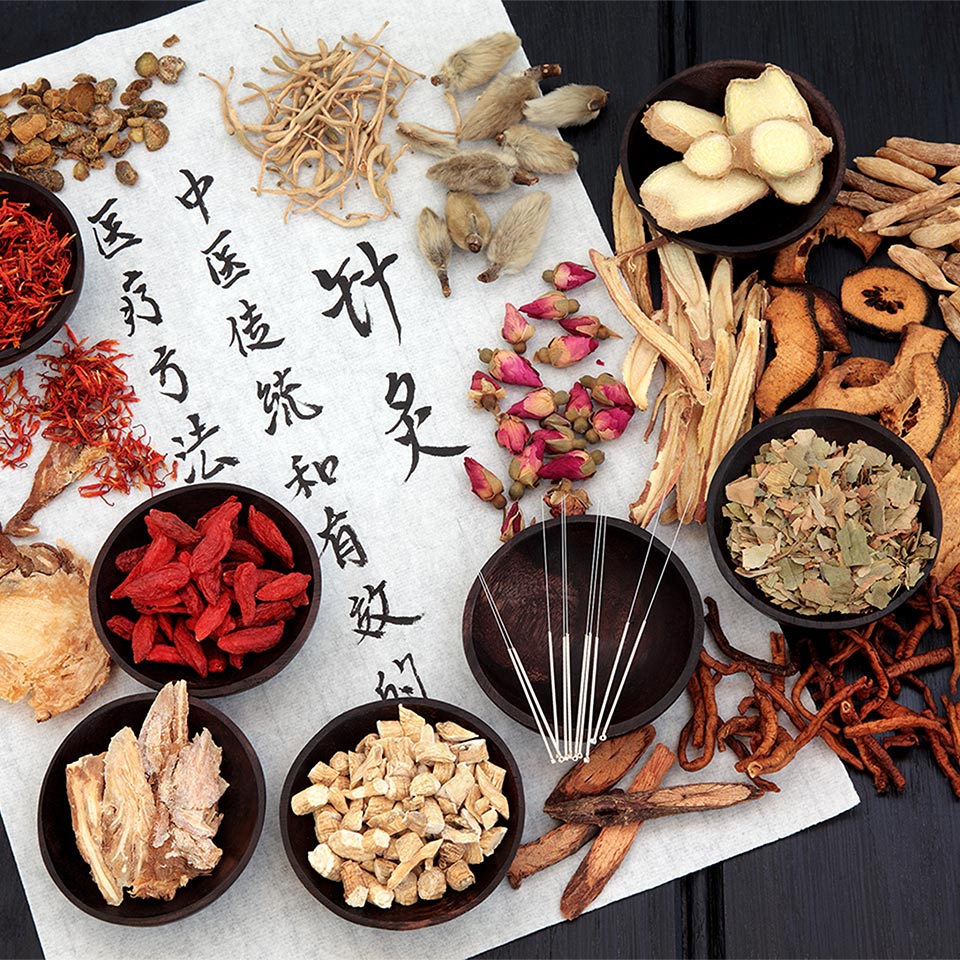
[
  {"x": 243, "y": 806},
  {"x": 44, "y": 204},
  {"x": 839, "y": 427},
  {"x": 344, "y": 733},
  {"x": 764, "y": 226},
  {"x": 190, "y": 503},
  {"x": 669, "y": 647}
]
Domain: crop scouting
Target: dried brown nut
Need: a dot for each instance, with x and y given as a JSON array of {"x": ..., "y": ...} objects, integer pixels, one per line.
[
  {"x": 36, "y": 151},
  {"x": 80, "y": 170},
  {"x": 80, "y": 97},
  {"x": 121, "y": 147},
  {"x": 156, "y": 109},
  {"x": 89, "y": 146},
  {"x": 112, "y": 127},
  {"x": 99, "y": 114},
  {"x": 883, "y": 300},
  {"x": 103, "y": 90},
  {"x": 133, "y": 91},
  {"x": 84, "y": 78},
  {"x": 73, "y": 116},
  {"x": 147, "y": 64},
  {"x": 169, "y": 68},
  {"x": 110, "y": 143},
  {"x": 136, "y": 108},
  {"x": 136, "y": 121},
  {"x": 125, "y": 173},
  {"x": 155, "y": 134},
  {"x": 51, "y": 179}
]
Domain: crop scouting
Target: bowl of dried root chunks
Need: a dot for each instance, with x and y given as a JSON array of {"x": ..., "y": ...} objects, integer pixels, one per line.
[
  {"x": 402, "y": 814},
  {"x": 734, "y": 157},
  {"x": 142, "y": 768},
  {"x": 214, "y": 583},
  {"x": 823, "y": 519}
]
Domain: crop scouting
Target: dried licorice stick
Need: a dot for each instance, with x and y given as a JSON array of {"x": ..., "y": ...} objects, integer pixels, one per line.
[
  {"x": 551, "y": 848},
  {"x": 712, "y": 618},
  {"x": 612, "y": 843}
]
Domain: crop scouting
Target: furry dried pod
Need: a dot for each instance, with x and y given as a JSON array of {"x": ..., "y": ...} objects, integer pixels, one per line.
[
  {"x": 501, "y": 105},
  {"x": 517, "y": 236},
  {"x": 425, "y": 140},
  {"x": 479, "y": 171},
  {"x": 538, "y": 151},
  {"x": 434, "y": 241},
  {"x": 467, "y": 223},
  {"x": 476, "y": 63},
  {"x": 569, "y": 106}
]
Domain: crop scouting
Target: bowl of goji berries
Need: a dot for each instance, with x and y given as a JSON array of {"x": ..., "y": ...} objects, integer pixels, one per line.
[{"x": 213, "y": 583}]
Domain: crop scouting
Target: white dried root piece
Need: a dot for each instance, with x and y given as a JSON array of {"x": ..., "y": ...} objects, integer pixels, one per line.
[
  {"x": 920, "y": 266},
  {"x": 325, "y": 861},
  {"x": 306, "y": 801},
  {"x": 453, "y": 732},
  {"x": 356, "y": 884},
  {"x": 710, "y": 156},
  {"x": 678, "y": 124},
  {"x": 889, "y": 172},
  {"x": 772, "y": 95}
]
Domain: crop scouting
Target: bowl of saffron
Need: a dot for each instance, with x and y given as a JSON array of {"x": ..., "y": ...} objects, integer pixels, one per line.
[{"x": 41, "y": 266}]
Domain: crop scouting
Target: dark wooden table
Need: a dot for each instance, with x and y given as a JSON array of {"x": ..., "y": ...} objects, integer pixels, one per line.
[{"x": 879, "y": 881}]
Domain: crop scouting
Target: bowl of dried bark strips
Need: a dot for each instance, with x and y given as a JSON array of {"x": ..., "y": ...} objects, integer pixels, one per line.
[
  {"x": 402, "y": 814},
  {"x": 214, "y": 583},
  {"x": 41, "y": 266},
  {"x": 734, "y": 157},
  {"x": 117, "y": 759},
  {"x": 642, "y": 591},
  {"x": 823, "y": 519}
]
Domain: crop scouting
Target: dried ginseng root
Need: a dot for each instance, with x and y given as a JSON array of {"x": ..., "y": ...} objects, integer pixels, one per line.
[{"x": 322, "y": 133}]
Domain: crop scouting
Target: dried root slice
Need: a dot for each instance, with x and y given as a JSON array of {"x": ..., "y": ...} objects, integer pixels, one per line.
[
  {"x": 798, "y": 350},
  {"x": 678, "y": 124},
  {"x": 921, "y": 417},
  {"x": 950, "y": 311},
  {"x": 772, "y": 95},
  {"x": 829, "y": 318},
  {"x": 842, "y": 222},
  {"x": 710, "y": 155},
  {"x": 629, "y": 233},
  {"x": 883, "y": 300},
  {"x": 679, "y": 200},
  {"x": 890, "y": 172},
  {"x": 801, "y": 187},
  {"x": 780, "y": 148},
  {"x": 947, "y": 453},
  {"x": 639, "y": 365},
  {"x": 919, "y": 265}
]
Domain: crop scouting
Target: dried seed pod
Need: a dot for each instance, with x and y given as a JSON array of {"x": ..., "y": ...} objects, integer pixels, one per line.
[
  {"x": 569, "y": 106},
  {"x": 476, "y": 63},
  {"x": 538, "y": 151},
  {"x": 476, "y": 171},
  {"x": 147, "y": 64},
  {"x": 502, "y": 104},
  {"x": 434, "y": 242},
  {"x": 467, "y": 223},
  {"x": 169, "y": 67},
  {"x": 517, "y": 236},
  {"x": 125, "y": 173},
  {"x": 424, "y": 140}
]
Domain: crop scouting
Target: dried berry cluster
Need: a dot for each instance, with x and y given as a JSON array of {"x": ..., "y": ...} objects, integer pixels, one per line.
[
  {"x": 594, "y": 410},
  {"x": 78, "y": 123}
]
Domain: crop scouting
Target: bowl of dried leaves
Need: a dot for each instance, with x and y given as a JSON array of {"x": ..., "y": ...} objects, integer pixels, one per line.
[
  {"x": 214, "y": 583},
  {"x": 823, "y": 519},
  {"x": 734, "y": 157},
  {"x": 141, "y": 768},
  {"x": 402, "y": 814},
  {"x": 41, "y": 266}
]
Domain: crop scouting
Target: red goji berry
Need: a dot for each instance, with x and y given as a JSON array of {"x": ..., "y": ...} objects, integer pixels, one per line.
[
  {"x": 158, "y": 583},
  {"x": 285, "y": 587},
  {"x": 228, "y": 625},
  {"x": 165, "y": 653},
  {"x": 236, "y": 661},
  {"x": 300, "y": 600},
  {"x": 209, "y": 584},
  {"x": 268, "y": 535},
  {"x": 126, "y": 560},
  {"x": 271, "y": 613},
  {"x": 188, "y": 648},
  {"x": 229, "y": 510},
  {"x": 144, "y": 637},
  {"x": 122, "y": 627},
  {"x": 245, "y": 586},
  {"x": 251, "y": 639},
  {"x": 216, "y": 660},
  {"x": 169, "y": 604},
  {"x": 165, "y": 623},
  {"x": 212, "y": 617},
  {"x": 244, "y": 550},
  {"x": 208, "y": 553},
  {"x": 267, "y": 576},
  {"x": 192, "y": 600},
  {"x": 158, "y": 554},
  {"x": 160, "y": 521}
]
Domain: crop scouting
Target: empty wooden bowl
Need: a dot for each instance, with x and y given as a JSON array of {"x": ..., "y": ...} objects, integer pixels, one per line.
[
  {"x": 764, "y": 226},
  {"x": 344, "y": 733},
  {"x": 190, "y": 503},
  {"x": 242, "y": 805},
  {"x": 668, "y": 649}
]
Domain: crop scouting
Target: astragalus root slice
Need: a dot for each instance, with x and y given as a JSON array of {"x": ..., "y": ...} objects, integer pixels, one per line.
[
  {"x": 517, "y": 236},
  {"x": 476, "y": 63},
  {"x": 682, "y": 271}
]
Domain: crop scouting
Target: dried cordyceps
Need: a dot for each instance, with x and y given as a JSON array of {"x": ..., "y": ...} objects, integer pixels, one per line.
[
  {"x": 476, "y": 63},
  {"x": 571, "y": 105},
  {"x": 517, "y": 236},
  {"x": 434, "y": 242},
  {"x": 322, "y": 132},
  {"x": 501, "y": 104},
  {"x": 467, "y": 222},
  {"x": 538, "y": 151}
]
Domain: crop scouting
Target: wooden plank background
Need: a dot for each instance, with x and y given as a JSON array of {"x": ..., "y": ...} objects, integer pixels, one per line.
[{"x": 879, "y": 881}]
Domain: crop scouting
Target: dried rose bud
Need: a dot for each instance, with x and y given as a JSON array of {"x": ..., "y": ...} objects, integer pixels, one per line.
[
  {"x": 550, "y": 306},
  {"x": 575, "y": 465},
  {"x": 556, "y": 421},
  {"x": 610, "y": 422},
  {"x": 507, "y": 366},
  {"x": 565, "y": 351},
  {"x": 512, "y": 522},
  {"x": 525, "y": 467},
  {"x": 563, "y": 499},
  {"x": 516, "y": 329},
  {"x": 535, "y": 405},
  {"x": 579, "y": 406},
  {"x": 484, "y": 484},
  {"x": 608, "y": 391},
  {"x": 568, "y": 275},
  {"x": 512, "y": 433},
  {"x": 586, "y": 325},
  {"x": 485, "y": 391},
  {"x": 560, "y": 441}
]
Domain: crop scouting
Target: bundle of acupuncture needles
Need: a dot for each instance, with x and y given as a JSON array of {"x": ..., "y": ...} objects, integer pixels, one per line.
[{"x": 578, "y": 716}]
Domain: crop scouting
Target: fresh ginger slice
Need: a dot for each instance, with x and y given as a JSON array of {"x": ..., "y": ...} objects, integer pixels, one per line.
[
  {"x": 801, "y": 187},
  {"x": 771, "y": 95},
  {"x": 678, "y": 124},
  {"x": 679, "y": 200},
  {"x": 779, "y": 148},
  {"x": 710, "y": 155}
]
